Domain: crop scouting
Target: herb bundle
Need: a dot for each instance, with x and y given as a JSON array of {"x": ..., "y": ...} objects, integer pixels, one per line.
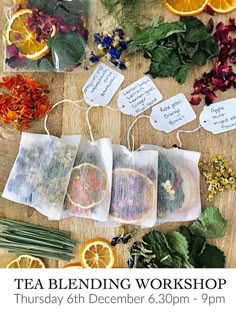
[
  {"x": 173, "y": 46},
  {"x": 185, "y": 248},
  {"x": 25, "y": 238}
]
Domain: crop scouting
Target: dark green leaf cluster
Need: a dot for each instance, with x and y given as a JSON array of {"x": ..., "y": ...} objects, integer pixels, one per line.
[
  {"x": 185, "y": 248},
  {"x": 173, "y": 47}
]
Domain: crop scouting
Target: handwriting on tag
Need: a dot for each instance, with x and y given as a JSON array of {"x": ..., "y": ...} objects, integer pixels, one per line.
[
  {"x": 138, "y": 97},
  {"x": 172, "y": 114},
  {"x": 102, "y": 85},
  {"x": 219, "y": 117}
]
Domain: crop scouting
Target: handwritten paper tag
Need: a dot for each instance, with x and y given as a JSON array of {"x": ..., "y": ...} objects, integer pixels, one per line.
[
  {"x": 102, "y": 85},
  {"x": 138, "y": 97},
  {"x": 219, "y": 117},
  {"x": 172, "y": 114}
]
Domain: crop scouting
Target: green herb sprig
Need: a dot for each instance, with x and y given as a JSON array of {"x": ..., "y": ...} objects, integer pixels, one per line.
[
  {"x": 25, "y": 238},
  {"x": 173, "y": 47}
]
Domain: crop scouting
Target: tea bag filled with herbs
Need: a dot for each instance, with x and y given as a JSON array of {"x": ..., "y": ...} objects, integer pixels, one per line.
[
  {"x": 134, "y": 187},
  {"x": 41, "y": 172},
  {"x": 89, "y": 190},
  {"x": 178, "y": 184}
]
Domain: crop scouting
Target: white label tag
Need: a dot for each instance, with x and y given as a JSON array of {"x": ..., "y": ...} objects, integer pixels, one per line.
[
  {"x": 172, "y": 114},
  {"x": 102, "y": 85},
  {"x": 219, "y": 117},
  {"x": 138, "y": 97}
]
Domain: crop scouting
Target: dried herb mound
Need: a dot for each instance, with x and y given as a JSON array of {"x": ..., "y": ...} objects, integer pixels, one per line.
[
  {"x": 173, "y": 47},
  {"x": 185, "y": 248},
  {"x": 23, "y": 100}
]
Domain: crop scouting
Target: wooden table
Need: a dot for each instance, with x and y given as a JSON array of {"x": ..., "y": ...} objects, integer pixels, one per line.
[{"x": 70, "y": 120}]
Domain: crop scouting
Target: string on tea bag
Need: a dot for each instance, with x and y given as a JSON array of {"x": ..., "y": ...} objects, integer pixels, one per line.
[
  {"x": 75, "y": 103},
  {"x": 88, "y": 120},
  {"x": 185, "y": 131},
  {"x": 131, "y": 136}
]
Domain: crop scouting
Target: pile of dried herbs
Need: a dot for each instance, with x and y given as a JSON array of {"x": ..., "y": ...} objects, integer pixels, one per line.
[
  {"x": 185, "y": 248},
  {"x": 173, "y": 47}
]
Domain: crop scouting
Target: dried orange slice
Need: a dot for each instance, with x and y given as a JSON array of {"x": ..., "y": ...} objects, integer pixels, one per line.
[
  {"x": 97, "y": 253},
  {"x": 19, "y": 35},
  {"x": 87, "y": 189},
  {"x": 133, "y": 196},
  {"x": 22, "y": 2},
  {"x": 26, "y": 261},
  {"x": 74, "y": 265},
  {"x": 222, "y": 6},
  {"x": 185, "y": 7}
]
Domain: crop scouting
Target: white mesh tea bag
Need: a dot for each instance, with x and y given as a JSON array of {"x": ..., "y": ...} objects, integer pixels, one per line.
[
  {"x": 89, "y": 190},
  {"x": 178, "y": 184},
  {"x": 41, "y": 173},
  {"x": 134, "y": 187}
]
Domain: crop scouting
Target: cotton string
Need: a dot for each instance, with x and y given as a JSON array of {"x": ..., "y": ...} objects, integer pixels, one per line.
[
  {"x": 75, "y": 103},
  {"x": 88, "y": 120},
  {"x": 186, "y": 131},
  {"x": 131, "y": 136}
]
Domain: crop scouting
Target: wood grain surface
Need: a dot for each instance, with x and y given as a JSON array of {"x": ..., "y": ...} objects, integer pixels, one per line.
[{"x": 70, "y": 120}]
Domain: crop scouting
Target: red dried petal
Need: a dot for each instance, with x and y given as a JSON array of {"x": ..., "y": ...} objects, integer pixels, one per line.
[{"x": 195, "y": 100}]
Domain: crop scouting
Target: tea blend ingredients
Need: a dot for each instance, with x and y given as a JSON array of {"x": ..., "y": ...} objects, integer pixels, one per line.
[
  {"x": 112, "y": 47},
  {"x": 97, "y": 253},
  {"x": 52, "y": 35},
  {"x": 26, "y": 261},
  {"x": 185, "y": 248},
  {"x": 221, "y": 77},
  {"x": 123, "y": 237},
  {"x": 219, "y": 175},
  {"x": 22, "y": 101},
  {"x": 182, "y": 7},
  {"x": 173, "y": 47},
  {"x": 30, "y": 239},
  {"x": 41, "y": 173}
]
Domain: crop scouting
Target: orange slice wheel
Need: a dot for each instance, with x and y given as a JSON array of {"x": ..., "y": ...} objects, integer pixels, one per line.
[
  {"x": 97, "y": 253},
  {"x": 222, "y": 6},
  {"x": 87, "y": 189},
  {"x": 26, "y": 261},
  {"x": 133, "y": 196},
  {"x": 185, "y": 7}
]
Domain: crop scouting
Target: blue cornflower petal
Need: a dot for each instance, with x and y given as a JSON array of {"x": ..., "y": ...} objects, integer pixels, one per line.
[
  {"x": 122, "y": 65},
  {"x": 94, "y": 59},
  {"x": 120, "y": 31},
  {"x": 97, "y": 38},
  {"x": 107, "y": 41},
  {"x": 113, "y": 61},
  {"x": 123, "y": 44},
  {"x": 115, "y": 53}
]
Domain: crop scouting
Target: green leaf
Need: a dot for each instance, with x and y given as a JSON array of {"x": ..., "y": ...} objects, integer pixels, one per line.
[
  {"x": 197, "y": 35},
  {"x": 67, "y": 49},
  {"x": 170, "y": 250},
  {"x": 211, "y": 257},
  {"x": 191, "y": 22},
  {"x": 147, "y": 38},
  {"x": 181, "y": 74},
  {"x": 199, "y": 58},
  {"x": 210, "y": 224},
  {"x": 211, "y": 48}
]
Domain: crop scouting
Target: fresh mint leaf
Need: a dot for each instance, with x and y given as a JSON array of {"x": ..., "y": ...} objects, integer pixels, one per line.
[
  {"x": 147, "y": 38},
  {"x": 211, "y": 257},
  {"x": 199, "y": 58},
  {"x": 196, "y": 35},
  {"x": 211, "y": 48},
  {"x": 191, "y": 22},
  {"x": 210, "y": 224},
  {"x": 67, "y": 50},
  {"x": 181, "y": 74}
]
